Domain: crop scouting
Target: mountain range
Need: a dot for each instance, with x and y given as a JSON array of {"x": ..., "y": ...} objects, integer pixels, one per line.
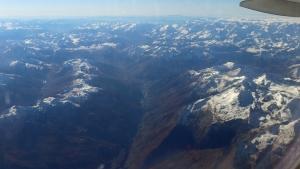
[{"x": 198, "y": 93}]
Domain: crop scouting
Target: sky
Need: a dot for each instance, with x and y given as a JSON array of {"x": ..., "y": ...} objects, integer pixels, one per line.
[{"x": 123, "y": 8}]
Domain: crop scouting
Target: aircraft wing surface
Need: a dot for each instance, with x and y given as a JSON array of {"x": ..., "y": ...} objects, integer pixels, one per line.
[{"x": 277, "y": 7}]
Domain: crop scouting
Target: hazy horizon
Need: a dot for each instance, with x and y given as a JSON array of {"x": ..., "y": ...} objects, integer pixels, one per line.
[{"x": 94, "y": 8}]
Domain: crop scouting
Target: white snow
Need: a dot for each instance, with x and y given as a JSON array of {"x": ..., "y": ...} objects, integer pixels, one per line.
[
  {"x": 11, "y": 112},
  {"x": 164, "y": 28},
  {"x": 131, "y": 27},
  {"x": 145, "y": 47},
  {"x": 74, "y": 40},
  {"x": 263, "y": 140},
  {"x": 229, "y": 65},
  {"x": 79, "y": 90},
  {"x": 229, "y": 80},
  {"x": 28, "y": 41},
  {"x": 110, "y": 44},
  {"x": 13, "y": 63}
]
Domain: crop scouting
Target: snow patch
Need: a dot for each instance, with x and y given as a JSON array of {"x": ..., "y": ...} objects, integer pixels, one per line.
[{"x": 110, "y": 44}]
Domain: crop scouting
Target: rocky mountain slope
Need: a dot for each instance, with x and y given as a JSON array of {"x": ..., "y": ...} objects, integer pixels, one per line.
[{"x": 237, "y": 111}]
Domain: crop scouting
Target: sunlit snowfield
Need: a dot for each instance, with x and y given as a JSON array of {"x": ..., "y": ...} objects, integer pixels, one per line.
[{"x": 173, "y": 92}]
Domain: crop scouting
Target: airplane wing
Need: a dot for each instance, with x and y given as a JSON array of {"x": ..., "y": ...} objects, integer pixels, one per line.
[{"x": 277, "y": 7}]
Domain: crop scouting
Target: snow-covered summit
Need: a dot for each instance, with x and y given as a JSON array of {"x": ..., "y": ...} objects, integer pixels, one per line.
[
  {"x": 236, "y": 90},
  {"x": 75, "y": 74},
  {"x": 265, "y": 102}
]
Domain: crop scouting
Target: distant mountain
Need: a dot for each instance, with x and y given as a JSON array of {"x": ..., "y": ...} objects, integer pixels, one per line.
[{"x": 197, "y": 93}]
